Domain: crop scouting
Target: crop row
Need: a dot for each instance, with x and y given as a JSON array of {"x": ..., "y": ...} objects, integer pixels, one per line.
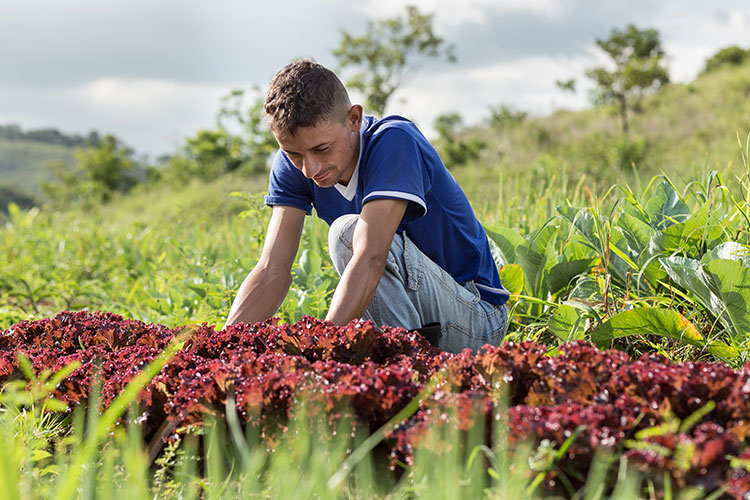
[{"x": 683, "y": 422}]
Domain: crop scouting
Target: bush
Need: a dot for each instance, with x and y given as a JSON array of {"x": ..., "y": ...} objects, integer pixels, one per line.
[{"x": 729, "y": 56}]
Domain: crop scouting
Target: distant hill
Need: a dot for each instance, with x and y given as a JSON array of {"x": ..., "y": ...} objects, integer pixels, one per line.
[
  {"x": 24, "y": 163},
  {"x": 25, "y": 156}
]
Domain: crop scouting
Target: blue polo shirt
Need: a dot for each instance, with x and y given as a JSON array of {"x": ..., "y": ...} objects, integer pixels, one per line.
[{"x": 396, "y": 161}]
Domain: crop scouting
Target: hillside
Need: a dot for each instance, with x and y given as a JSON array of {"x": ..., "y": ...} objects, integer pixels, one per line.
[
  {"x": 24, "y": 163},
  {"x": 680, "y": 131}
]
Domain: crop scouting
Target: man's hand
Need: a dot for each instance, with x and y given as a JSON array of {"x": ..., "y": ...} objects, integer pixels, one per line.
[
  {"x": 372, "y": 239},
  {"x": 264, "y": 289}
]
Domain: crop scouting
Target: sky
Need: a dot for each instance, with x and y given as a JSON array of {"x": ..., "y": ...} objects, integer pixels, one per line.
[{"x": 154, "y": 71}]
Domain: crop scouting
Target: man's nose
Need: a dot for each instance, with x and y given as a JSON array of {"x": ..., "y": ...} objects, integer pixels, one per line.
[{"x": 310, "y": 167}]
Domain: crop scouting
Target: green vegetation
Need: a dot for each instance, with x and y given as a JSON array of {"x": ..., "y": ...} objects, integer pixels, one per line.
[
  {"x": 640, "y": 68},
  {"x": 454, "y": 151},
  {"x": 730, "y": 56},
  {"x": 101, "y": 170},
  {"x": 683, "y": 130},
  {"x": 314, "y": 459},
  {"x": 628, "y": 232}
]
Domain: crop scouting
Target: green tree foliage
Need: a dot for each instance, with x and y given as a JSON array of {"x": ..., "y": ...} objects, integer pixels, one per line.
[
  {"x": 455, "y": 151},
  {"x": 639, "y": 69},
  {"x": 503, "y": 116},
  {"x": 100, "y": 171},
  {"x": 241, "y": 140},
  {"x": 107, "y": 165},
  {"x": 567, "y": 85},
  {"x": 383, "y": 54},
  {"x": 257, "y": 141},
  {"x": 213, "y": 152},
  {"x": 729, "y": 56}
]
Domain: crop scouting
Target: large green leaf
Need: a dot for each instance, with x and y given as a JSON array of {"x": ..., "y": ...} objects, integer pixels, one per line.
[
  {"x": 732, "y": 281},
  {"x": 636, "y": 232},
  {"x": 722, "y": 285},
  {"x": 497, "y": 254},
  {"x": 588, "y": 288},
  {"x": 614, "y": 257},
  {"x": 730, "y": 250},
  {"x": 566, "y": 323},
  {"x": 562, "y": 274},
  {"x": 661, "y": 322},
  {"x": 511, "y": 276},
  {"x": 665, "y": 207},
  {"x": 682, "y": 237},
  {"x": 690, "y": 275},
  {"x": 537, "y": 259},
  {"x": 507, "y": 240},
  {"x": 586, "y": 224}
]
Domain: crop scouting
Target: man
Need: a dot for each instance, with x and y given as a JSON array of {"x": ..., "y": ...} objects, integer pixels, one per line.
[{"x": 403, "y": 236}]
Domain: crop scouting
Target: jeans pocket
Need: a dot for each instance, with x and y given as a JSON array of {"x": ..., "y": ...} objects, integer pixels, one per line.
[{"x": 413, "y": 263}]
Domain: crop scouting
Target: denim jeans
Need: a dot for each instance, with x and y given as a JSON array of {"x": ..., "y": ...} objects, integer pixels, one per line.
[{"x": 415, "y": 291}]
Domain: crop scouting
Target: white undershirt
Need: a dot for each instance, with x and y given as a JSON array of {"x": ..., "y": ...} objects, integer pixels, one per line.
[{"x": 350, "y": 189}]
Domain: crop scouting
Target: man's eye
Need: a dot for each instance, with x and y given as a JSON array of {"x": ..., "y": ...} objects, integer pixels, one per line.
[{"x": 321, "y": 150}]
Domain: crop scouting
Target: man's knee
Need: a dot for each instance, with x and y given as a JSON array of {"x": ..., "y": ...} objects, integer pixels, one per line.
[{"x": 340, "y": 237}]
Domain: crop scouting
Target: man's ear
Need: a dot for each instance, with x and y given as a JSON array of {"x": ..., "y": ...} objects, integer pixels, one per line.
[{"x": 354, "y": 118}]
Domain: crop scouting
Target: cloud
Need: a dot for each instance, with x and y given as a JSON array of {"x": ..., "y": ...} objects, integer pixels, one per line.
[
  {"x": 450, "y": 14},
  {"x": 152, "y": 115},
  {"x": 690, "y": 39},
  {"x": 48, "y": 44},
  {"x": 152, "y": 71},
  {"x": 527, "y": 86}
]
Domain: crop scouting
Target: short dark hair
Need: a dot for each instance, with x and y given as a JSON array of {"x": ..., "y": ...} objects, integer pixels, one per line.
[{"x": 302, "y": 94}]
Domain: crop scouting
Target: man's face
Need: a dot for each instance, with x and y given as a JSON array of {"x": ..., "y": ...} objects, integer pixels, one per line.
[{"x": 327, "y": 152}]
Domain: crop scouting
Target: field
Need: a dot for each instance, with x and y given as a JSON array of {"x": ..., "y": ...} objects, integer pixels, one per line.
[{"x": 622, "y": 375}]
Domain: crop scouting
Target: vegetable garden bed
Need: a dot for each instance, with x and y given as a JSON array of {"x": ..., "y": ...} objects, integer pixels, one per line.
[{"x": 683, "y": 425}]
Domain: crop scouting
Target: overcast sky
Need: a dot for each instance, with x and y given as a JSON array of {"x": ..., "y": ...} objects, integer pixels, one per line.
[{"x": 153, "y": 71}]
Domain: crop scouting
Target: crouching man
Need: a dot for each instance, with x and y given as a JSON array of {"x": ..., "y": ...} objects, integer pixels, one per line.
[{"x": 403, "y": 236}]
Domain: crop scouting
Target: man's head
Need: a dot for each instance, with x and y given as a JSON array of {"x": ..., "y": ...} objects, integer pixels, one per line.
[
  {"x": 303, "y": 94},
  {"x": 310, "y": 115}
]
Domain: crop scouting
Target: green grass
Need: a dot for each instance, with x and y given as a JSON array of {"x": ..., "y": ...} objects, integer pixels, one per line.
[{"x": 86, "y": 455}]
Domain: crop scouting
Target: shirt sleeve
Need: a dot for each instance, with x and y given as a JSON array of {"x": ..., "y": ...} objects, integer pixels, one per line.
[
  {"x": 396, "y": 170},
  {"x": 287, "y": 186}
]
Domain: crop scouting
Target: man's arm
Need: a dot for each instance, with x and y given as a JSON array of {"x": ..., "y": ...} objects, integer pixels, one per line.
[
  {"x": 264, "y": 289},
  {"x": 372, "y": 239}
]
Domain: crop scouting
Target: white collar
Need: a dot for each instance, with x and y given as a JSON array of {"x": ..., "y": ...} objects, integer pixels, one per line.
[{"x": 350, "y": 189}]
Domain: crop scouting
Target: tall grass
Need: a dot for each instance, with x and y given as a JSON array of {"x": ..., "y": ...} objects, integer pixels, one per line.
[{"x": 102, "y": 455}]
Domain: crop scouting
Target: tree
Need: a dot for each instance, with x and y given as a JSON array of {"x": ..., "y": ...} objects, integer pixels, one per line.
[
  {"x": 386, "y": 50},
  {"x": 567, "y": 85},
  {"x": 729, "y": 56},
  {"x": 454, "y": 151},
  {"x": 241, "y": 141},
  {"x": 100, "y": 171},
  {"x": 639, "y": 69},
  {"x": 106, "y": 166},
  {"x": 214, "y": 152},
  {"x": 503, "y": 116},
  {"x": 256, "y": 139}
]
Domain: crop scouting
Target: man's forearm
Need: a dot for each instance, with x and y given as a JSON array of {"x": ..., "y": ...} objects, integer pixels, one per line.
[
  {"x": 259, "y": 296},
  {"x": 355, "y": 290}
]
